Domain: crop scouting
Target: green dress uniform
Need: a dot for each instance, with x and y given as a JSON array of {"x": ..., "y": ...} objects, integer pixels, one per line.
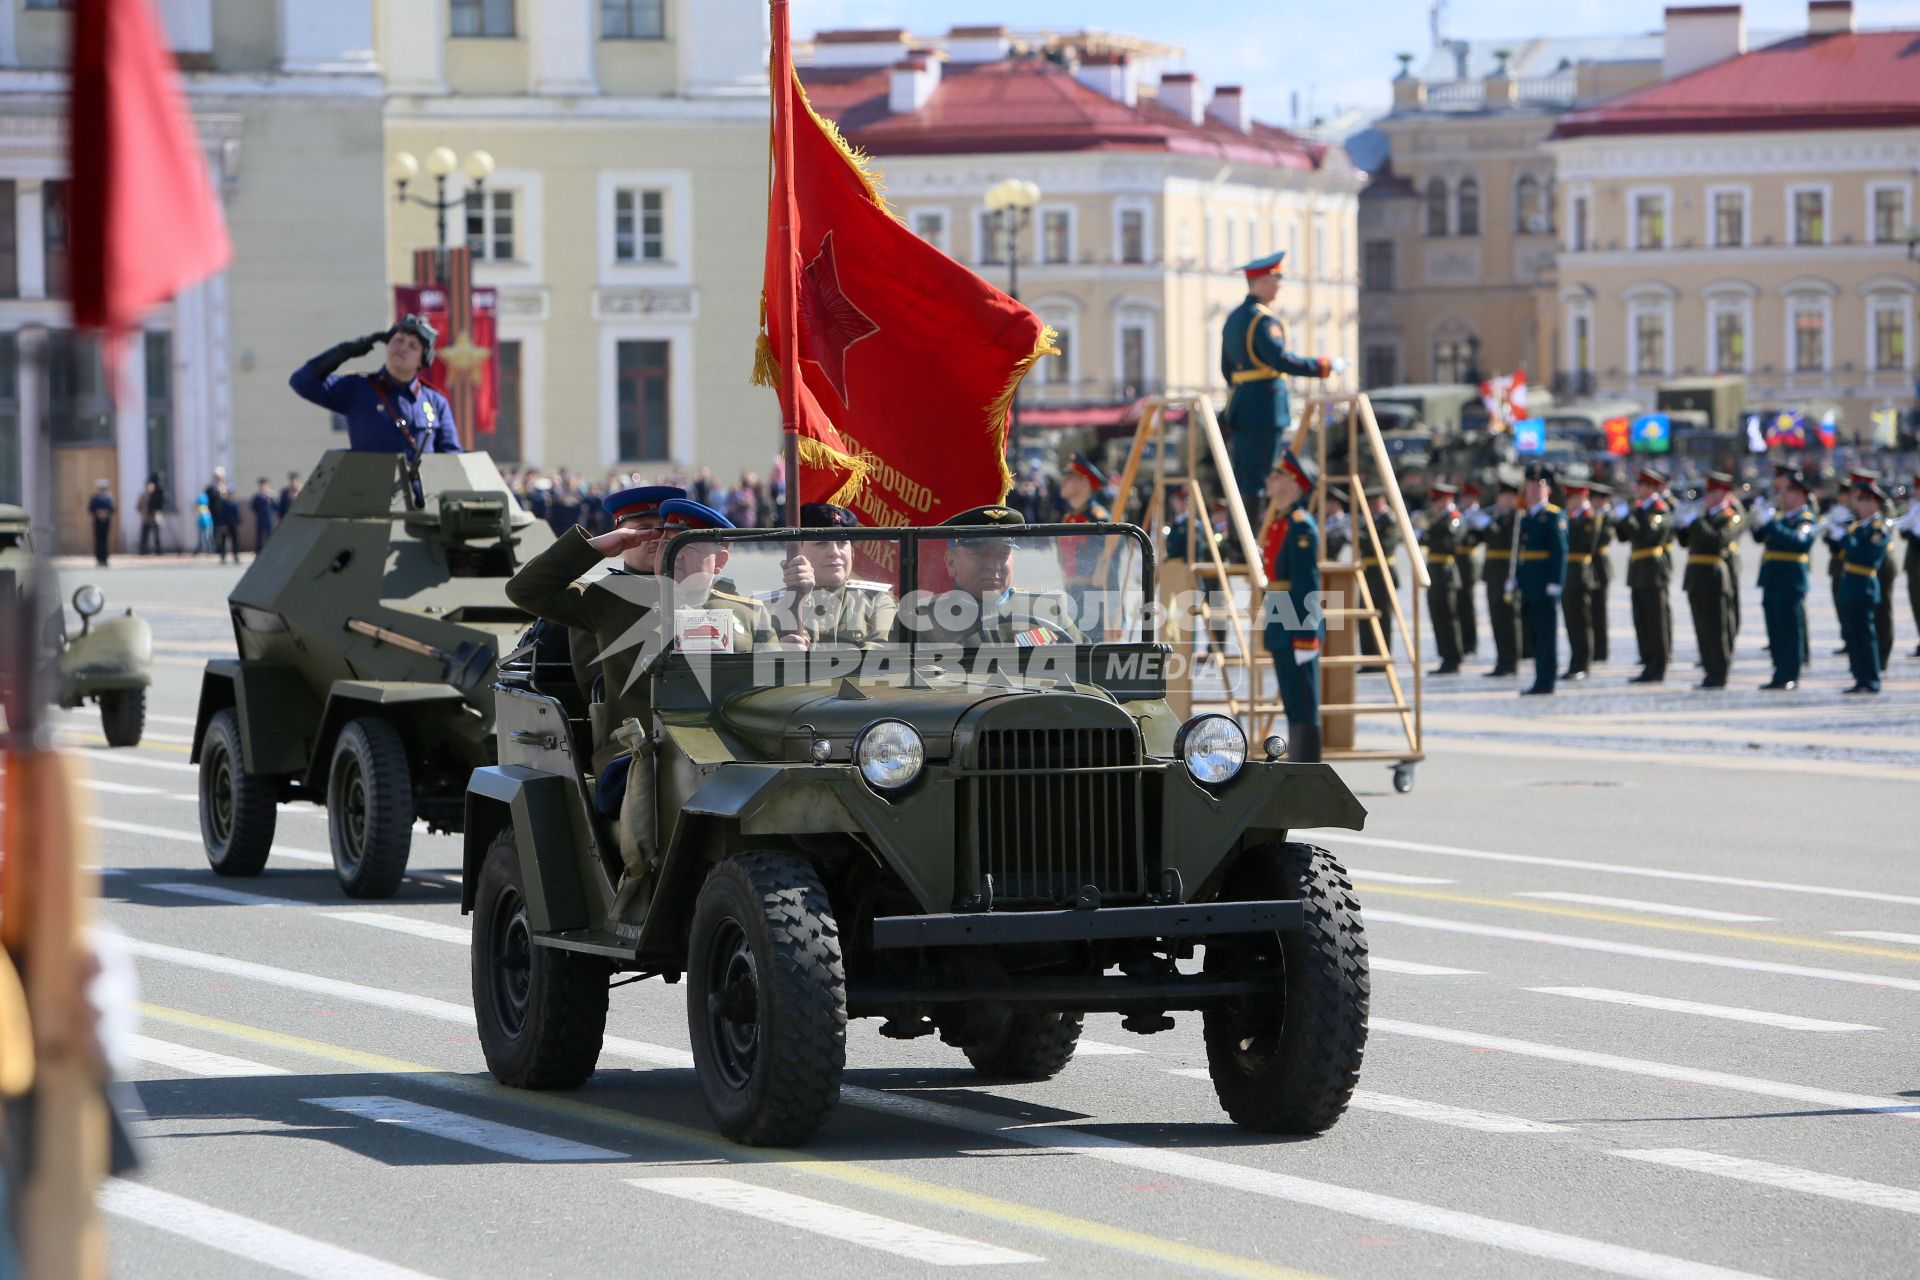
[
  {"x": 1910, "y": 530},
  {"x": 1294, "y": 626},
  {"x": 1648, "y": 529},
  {"x": 1465, "y": 612},
  {"x": 1254, "y": 360},
  {"x": 1784, "y": 579},
  {"x": 1496, "y": 570},
  {"x": 1382, "y": 574},
  {"x": 1708, "y": 582},
  {"x": 1883, "y": 612},
  {"x": 1441, "y": 534},
  {"x": 1586, "y": 556},
  {"x": 856, "y": 614},
  {"x": 1862, "y": 552},
  {"x": 1600, "y": 578},
  {"x": 1541, "y": 578}
]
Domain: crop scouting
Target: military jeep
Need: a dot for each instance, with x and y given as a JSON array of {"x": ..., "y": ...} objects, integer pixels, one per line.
[
  {"x": 367, "y": 631},
  {"x": 983, "y": 827}
]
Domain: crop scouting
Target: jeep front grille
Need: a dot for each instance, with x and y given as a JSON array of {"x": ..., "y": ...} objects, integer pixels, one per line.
[{"x": 1051, "y": 810}]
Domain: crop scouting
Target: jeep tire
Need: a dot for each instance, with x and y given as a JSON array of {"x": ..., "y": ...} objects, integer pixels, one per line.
[
  {"x": 370, "y": 808},
  {"x": 238, "y": 809},
  {"x": 1029, "y": 1046},
  {"x": 1288, "y": 1061},
  {"x": 541, "y": 1011},
  {"x": 767, "y": 999},
  {"x": 123, "y": 716}
]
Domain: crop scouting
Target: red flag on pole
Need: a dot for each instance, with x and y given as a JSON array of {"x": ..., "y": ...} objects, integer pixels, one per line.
[
  {"x": 145, "y": 218},
  {"x": 908, "y": 361}
]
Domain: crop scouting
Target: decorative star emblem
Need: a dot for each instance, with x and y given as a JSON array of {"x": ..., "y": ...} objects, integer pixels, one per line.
[
  {"x": 464, "y": 356},
  {"x": 830, "y": 324}
]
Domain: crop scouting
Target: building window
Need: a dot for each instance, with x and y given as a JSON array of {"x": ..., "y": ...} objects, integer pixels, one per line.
[
  {"x": 1231, "y": 251},
  {"x": 1467, "y": 221},
  {"x": 1583, "y": 343},
  {"x": 9, "y": 417},
  {"x": 158, "y": 355},
  {"x": 640, "y": 404},
  {"x": 1890, "y": 336},
  {"x": 490, "y": 225},
  {"x": 1380, "y": 367},
  {"x": 54, "y": 235},
  {"x": 1253, "y": 238},
  {"x": 79, "y": 407},
  {"x": 9, "y": 242},
  {"x": 1322, "y": 267},
  {"x": 1650, "y": 220},
  {"x": 1437, "y": 207},
  {"x": 1056, "y": 236},
  {"x": 633, "y": 20},
  {"x": 1729, "y": 342},
  {"x": 1809, "y": 217},
  {"x": 1057, "y": 371},
  {"x": 1453, "y": 360},
  {"x": 990, "y": 241},
  {"x": 1649, "y": 343},
  {"x": 639, "y": 226},
  {"x": 1135, "y": 354},
  {"x": 492, "y": 18},
  {"x": 507, "y": 411},
  {"x": 1889, "y": 215},
  {"x": 1529, "y": 206},
  {"x": 1581, "y": 239},
  {"x": 1133, "y": 235},
  {"x": 1809, "y": 339},
  {"x": 1729, "y": 219},
  {"x": 931, "y": 225},
  {"x": 1377, "y": 271}
]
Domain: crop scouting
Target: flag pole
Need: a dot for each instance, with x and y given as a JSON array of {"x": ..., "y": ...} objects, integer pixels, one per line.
[{"x": 785, "y": 213}]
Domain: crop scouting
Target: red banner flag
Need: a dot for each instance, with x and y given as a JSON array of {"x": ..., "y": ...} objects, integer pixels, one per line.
[
  {"x": 145, "y": 218},
  {"x": 908, "y": 360}
]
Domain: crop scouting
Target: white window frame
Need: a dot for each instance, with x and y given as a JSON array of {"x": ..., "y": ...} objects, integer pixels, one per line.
[
  {"x": 1149, "y": 249},
  {"x": 1064, "y": 315},
  {"x": 986, "y": 238},
  {"x": 677, "y": 267},
  {"x": 680, "y": 387},
  {"x": 1712, "y": 229},
  {"x": 529, "y": 225},
  {"x": 1650, "y": 299},
  {"x": 1578, "y": 309},
  {"x": 1906, "y": 210},
  {"x": 1073, "y": 234},
  {"x": 1722, "y": 302},
  {"x": 1580, "y": 194},
  {"x": 1634, "y": 194},
  {"x": 1807, "y": 300},
  {"x": 1136, "y": 313},
  {"x": 490, "y": 198},
  {"x": 637, "y": 196},
  {"x": 1900, "y": 304},
  {"x": 940, "y": 238},
  {"x": 1792, "y": 238}
]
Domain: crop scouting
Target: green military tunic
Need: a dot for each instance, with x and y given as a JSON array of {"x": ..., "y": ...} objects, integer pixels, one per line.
[
  {"x": 1587, "y": 537},
  {"x": 1442, "y": 536},
  {"x": 857, "y": 613},
  {"x": 1708, "y": 582},
  {"x": 1496, "y": 568},
  {"x": 1648, "y": 529}
]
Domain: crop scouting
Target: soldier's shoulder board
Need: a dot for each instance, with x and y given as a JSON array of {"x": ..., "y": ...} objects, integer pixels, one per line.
[
  {"x": 731, "y": 598},
  {"x": 862, "y": 584}
]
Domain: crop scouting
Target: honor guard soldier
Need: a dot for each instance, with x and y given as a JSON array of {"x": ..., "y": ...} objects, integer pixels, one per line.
[
  {"x": 1784, "y": 576},
  {"x": 1295, "y": 625},
  {"x": 390, "y": 410},
  {"x": 1541, "y": 575},
  {"x": 1708, "y": 580},
  {"x": 1889, "y": 571},
  {"x": 1082, "y": 559},
  {"x": 1600, "y": 575},
  {"x": 1862, "y": 552},
  {"x": 1586, "y": 545},
  {"x": 1910, "y": 530},
  {"x": 1440, "y": 533},
  {"x": 1498, "y": 530},
  {"x": 1648, "y": 529},
  {"x": 1253, "y": 360},
  {"x": 1383, "y": 575},
  {"x": 1465, "y": 612},
  {"x": 820, "y": 597}
]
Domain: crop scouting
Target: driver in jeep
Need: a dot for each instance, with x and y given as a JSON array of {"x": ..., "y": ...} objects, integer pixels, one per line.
[{"x": 984, "y": 607}]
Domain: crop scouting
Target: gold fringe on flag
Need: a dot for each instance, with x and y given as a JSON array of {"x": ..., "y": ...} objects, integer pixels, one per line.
[
  {"x": 861, "y": 163},
  {"x": 766, "y": 370},
  {"x": 817, "y": 454},
  {"x": 1000, "y": 411}
]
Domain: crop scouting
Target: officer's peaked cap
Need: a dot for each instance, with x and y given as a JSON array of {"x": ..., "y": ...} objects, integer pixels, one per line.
[
  {"x": 825, "y": 515},
  {"x": 641, "y": 500},
  {"x": 684, "y": 513},
  {"x": 1267, "y": 266}
]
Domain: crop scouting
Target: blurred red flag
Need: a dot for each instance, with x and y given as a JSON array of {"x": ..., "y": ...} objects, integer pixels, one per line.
[
  {"x": 908, "y": 360},
  {"x": 144, "y": 216}
]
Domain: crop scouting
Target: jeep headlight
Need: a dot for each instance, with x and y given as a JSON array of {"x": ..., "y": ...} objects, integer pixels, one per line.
[
  {"x": 89, "y": 600},
  {"x": 1214, "y": 748},
  {"x": 890, "y": 754}
]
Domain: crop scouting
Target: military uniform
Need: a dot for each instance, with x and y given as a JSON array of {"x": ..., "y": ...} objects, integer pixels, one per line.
[
  {"x": 1708, "y": 581},
  {"x": 1294, "y": 625},
  {"x": 1015, "y": 616},
  {"x": 1648, "y": 529},
  {"x": 1600, "y": 575},
  {"x": 1465, "y": 612},
  {"x": 1254, "y": 361},
  {"x": 1586, "y": 555},
  {"x": 1910, "y": 530},
  {"x": 1441, "y": 534},
  {"x": 856, "y": 613},
  {"x": 1784, "y": 579},
  {"x": 1541, "y": 578},
  {"x": 1383, "y": 576},
  {"x": 1862, "y": 553},
  {"x": 1496, "y": 574}
]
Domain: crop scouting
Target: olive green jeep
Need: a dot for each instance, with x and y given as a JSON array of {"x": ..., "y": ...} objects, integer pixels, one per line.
[{"x": 983, "y": 825}]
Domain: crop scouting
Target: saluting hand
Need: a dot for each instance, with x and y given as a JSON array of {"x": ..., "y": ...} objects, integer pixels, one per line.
[{"x": 618, "y": 541}]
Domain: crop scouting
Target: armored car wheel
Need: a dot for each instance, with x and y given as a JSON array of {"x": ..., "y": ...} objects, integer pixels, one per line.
[
  {"x": 767, "y": 999},
  {"x": 238, "y": 809},
  {"x": 541, "y": 1011},
  {"x": 123, "y": 716},
  {"x": 1288, "y": 1061},
  {"x": 370, "y": 808},
  {"x": 1028, "y": 1046}
]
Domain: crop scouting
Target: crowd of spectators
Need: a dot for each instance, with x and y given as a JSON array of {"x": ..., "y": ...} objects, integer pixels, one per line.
[{"x": 565, "y": 498}]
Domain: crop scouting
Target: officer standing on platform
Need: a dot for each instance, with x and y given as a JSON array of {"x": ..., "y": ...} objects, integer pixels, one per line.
[
  {"x": 1601, "y": 568},
  {"x": 1541, "y": 576},
  {"x": 1441, "y": 533},
  {"x": 1586, "y": 543},
  {"x": 1294, "y": 625},
  {"x": 1708, "y": 580},
  {"x": 1862, "y": 552},
  {"x": 1648, "y": 528},
  {"x": 1383, "y": 575},
  {"x": 1253, "y": 359},
  {"x": 1784, "y": 574},
  {"x": 1466, "y": 613},
  {"x": 390, "y": 410},
  {"x": 1497, "y": 533}
]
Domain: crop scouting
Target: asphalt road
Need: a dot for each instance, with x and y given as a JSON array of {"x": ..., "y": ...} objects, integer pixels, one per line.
[{"x": 1646, "y": 969}]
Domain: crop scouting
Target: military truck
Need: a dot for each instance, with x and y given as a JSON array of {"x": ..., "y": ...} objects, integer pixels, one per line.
[
  {"x": 109, "y": 662},
  {"x": 1721, "y": 402},
  {"x": 983, "y": 828},
  {"x": 367, "y": 632}
]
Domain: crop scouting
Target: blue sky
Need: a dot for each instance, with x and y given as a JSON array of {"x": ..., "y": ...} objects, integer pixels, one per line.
[{"x": 1332, "y": 54}]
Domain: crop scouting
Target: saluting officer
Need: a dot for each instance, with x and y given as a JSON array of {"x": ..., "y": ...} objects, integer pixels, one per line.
[
  {"x": 1295, "y": 626},
  {"x": 1383, "y": 575},
  {"x": 390, "y": 410},
  {"x": 1440, "y": 532},
  {"x": 1708, "y": 580},
  {"x": 1541, "y": 576},
  {"x": 1862, "y": 552},
  {"x": 1254, "y": 359},
  {"x": 1601, "y": 567},
  {"x": 1496, "y": 532},
  {"x": 1784, "y": 574},
  {"x": 1586, "y": 545},
  {"x": 1648, "y": 528}
]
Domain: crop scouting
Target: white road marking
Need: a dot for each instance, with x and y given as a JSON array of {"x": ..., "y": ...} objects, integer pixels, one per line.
[
  {"x": 117, "y": 788},
  {"x": 1415, "y": 1109},
  {"x": 488, "y": 1135},
  {"x": 1785, "y": 1177},
  {"x": 219, "y": 893},
  {"x": 1881, "y": 935},
  {"x": 408, "y": 925},
  {"x": 1786, "y": 1021},
  {"x": 244, "y": 1237},
  {"x": 1389, "y": 877},
  {"x": 1616, "y": 868},
  {"x": 193, "y": 837},
  {"x": 1100, "y": 1049},
  {"x": 904, "y": 1240},
  {"x": 123, "y": 755},
  {"x": 198, "y": 1062},
  {"x": 1828, "y": 1098},
  {"x": 1652, "y": 908},
  {"x": 1579, "y": 943},
  {"x": 1379, "y": 964}
]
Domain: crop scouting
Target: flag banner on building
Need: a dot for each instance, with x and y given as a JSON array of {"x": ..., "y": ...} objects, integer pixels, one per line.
[
  {"x": 1652, "y": 433},
  {"x": 466, "y": 360},
  {"x": 1619, "y": 436},
  {"x": 908, "y": 360}
]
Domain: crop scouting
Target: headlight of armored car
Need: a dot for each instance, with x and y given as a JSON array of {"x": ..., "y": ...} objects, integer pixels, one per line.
[
  {"x": 1213, "y": 747},
  {"x": 890, "y": 754},
  {"x": 89, "y": 600}
]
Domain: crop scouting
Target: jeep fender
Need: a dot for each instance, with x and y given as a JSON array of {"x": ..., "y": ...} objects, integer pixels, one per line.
[
  {"x": 399, "y": 700},
  {"x": 261, "y": 694},
  {"x": 114, "y": 653},
  {"x": 1204, "y": 830},
  {"x": 544, "y": 810}
]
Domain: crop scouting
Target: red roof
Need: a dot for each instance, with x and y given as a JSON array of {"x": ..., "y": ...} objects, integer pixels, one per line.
[
  {"x": 1030, "y": 104},
  {"x": 1849, "y": 80}
]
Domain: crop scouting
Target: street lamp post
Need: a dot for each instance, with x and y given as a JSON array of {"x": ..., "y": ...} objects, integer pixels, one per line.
[
  {"x": 1010, "y": 205},
  {"x": 440, "y": 164}
]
